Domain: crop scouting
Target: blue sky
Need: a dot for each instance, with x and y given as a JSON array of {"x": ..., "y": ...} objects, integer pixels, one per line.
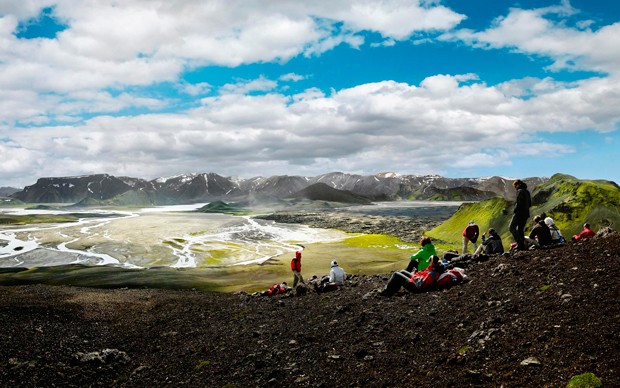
[{"x": 246, "y": 88}]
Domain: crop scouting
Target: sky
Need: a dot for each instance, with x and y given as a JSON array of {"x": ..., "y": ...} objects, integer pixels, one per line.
[{"x": 245, "y": 88}]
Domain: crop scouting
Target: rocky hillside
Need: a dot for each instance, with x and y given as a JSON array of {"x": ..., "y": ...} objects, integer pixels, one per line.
[
  {"x": 533, "y": 319},
  {"x": 125, "y": 191}
]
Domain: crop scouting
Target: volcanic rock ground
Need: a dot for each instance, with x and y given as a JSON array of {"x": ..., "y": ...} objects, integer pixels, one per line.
[{"x": 531, "y": 319}]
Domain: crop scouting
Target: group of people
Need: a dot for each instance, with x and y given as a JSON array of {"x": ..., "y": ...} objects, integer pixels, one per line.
[
  {"x": 326, "y": 283},
  {"x": 426, "y": 270}
]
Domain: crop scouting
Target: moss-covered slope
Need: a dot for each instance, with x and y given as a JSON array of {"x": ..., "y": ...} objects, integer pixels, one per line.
[{"x": 569, "y": 201}]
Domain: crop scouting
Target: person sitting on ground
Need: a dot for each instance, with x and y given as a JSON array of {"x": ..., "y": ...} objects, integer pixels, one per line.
[
  {"x": 335, "y": 280},
  {"x": 277, "y": 289},
  {"x": 470, "y": 234},
  {"x": 434, "y": 276},
  {"x": 585, "y": 233},
  {"x": 556, "y": 235},
  {"x": 491, "y": 245},
  {"x": 420, "y": 260},
  {"x": 540, "y": 236}
]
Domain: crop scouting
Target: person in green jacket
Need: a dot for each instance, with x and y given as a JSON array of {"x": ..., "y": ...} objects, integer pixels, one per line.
[{"x": 421, "y": 259}]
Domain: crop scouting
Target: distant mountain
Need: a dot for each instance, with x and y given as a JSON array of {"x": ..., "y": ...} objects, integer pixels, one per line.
[
  {"x": 569, "y": 201},
  {"x": 324, "y": 192},
  {"x": 73, "y": 189},
  {"x": 206, "y": 187},
  {"x": 8, "y": 191}
]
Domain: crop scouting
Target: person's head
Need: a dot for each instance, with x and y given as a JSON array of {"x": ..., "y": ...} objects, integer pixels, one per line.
[
  {"x": 298, "y": 255},
  {"x": 586, "y": 226},
  {"x": 549, "y": 221},
  {"x": 334, "y": 263},
  {"x": 537, "y": 219},
  {"x": 492, "y": 232},
  {"x": 425, "y": 241},
  {"x": 518, "y": 184},
  {"x": 472, "y": 223},
  {"x": 283, "y": 285}
]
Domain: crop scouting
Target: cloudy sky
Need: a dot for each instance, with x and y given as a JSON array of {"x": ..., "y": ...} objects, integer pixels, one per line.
[{"x": 148, "y": 88}]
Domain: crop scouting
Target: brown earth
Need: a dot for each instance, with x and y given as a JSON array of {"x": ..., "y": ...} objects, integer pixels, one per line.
[{"x": 532, "y": 319}]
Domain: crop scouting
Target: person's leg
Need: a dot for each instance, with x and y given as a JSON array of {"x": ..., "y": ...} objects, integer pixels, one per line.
[
  {"x": 521, "y": 234},
  {"x": 464, "y": 251},
  {"x": 514, "y": 221},
  {"x": 412, "y": 266},
  {"x": 479, "y": 249},
  {"x": 528, "y": 242},
  {"x": 397, "y": 280},
  {"x": 295, "y": 278}
]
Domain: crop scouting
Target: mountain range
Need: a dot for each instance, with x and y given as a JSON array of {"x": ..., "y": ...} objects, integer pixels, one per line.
[{"x": 104, "y": 189}]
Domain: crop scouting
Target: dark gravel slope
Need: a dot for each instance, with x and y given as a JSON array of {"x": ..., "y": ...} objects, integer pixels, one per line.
[{"x": 534, "y": 319}]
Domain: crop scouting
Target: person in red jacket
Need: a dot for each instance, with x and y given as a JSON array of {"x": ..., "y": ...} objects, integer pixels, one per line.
[
  {"x": 470, "y": 233},
  {"x": 434, "y": 276},
  {"x": 276, "y": 289},
  {"x": 586, "y": 233},
  {"x": 296, "y": 268}
]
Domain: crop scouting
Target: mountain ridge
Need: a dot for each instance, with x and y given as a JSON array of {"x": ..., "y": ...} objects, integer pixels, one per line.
[{"x": 199, "y": 187}]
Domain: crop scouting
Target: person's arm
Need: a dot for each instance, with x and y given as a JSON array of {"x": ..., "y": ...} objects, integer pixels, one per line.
[{"x": 332, "y": 276}]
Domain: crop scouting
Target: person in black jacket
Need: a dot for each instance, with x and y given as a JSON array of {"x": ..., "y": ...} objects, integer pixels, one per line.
[
  {"x": 540, "y": 236},
  {"x": 521, "y": 213},
  {"x": 491, "y": 245}
]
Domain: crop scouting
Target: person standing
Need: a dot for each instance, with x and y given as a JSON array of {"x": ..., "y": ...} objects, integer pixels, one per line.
[
  {"x": 470, "y": 234},
  {"x": 521, "y": 213},
  {"x": 296, "y": 268}
]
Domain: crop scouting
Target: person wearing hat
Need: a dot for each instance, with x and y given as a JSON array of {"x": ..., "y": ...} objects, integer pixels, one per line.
[
  {"x": 333, "y": 282},
  {"x": 337, "y": 274},
  {"x": 296, "y": 268},
  {"x": 470, "y": 234}
]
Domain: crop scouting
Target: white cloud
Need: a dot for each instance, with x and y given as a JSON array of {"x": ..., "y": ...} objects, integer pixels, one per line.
[
  {"x": 367, "y": 128},
  {"x": 536, "y": 32},
  {"x": 292, "y": 77}
]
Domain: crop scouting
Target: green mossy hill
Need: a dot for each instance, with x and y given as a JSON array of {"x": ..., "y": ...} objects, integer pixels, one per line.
[
  {"x": 569, "y": 201},
  {"x": 223, "y": 207},
  {"x": 492, "y": 213}
]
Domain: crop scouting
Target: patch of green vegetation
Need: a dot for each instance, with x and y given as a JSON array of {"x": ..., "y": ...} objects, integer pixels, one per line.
[
  {"x": 585, "y": 380},
  {"x": 202, "y": 364},
  {"x": 239, "y": 315},
  {"x": 9, "y": 219},
  {"x": 120, "y": 380},
  {"x": 546, "y": 288},
  {"x": 223, "y": 207},
  {"x": 374, "y": 241},
  {"x": 462, "y": 351},
  {"x": 492, "y": 213}
]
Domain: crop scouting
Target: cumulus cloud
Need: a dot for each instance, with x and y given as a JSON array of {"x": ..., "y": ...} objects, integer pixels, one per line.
[
  {"x": 546, "y": 32},
  {"x": 370, "y": 127}
]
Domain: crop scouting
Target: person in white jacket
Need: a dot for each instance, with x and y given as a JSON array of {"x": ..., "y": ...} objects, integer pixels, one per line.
[
  {"x": 334, "y": 281},
  {"x": 337, "y": 274}
]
